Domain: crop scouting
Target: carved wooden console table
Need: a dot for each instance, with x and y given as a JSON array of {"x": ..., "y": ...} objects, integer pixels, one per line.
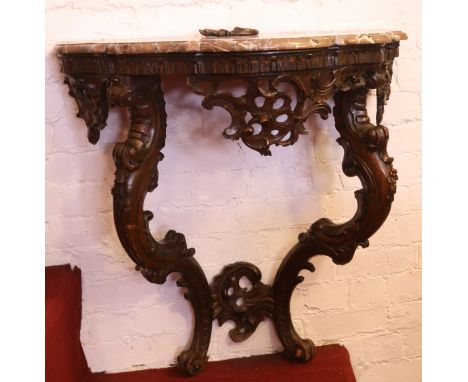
[{"x": 345, "y": 67}]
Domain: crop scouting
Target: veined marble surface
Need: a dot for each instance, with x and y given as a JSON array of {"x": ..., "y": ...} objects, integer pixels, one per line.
[{"x": 267, "y": 42}]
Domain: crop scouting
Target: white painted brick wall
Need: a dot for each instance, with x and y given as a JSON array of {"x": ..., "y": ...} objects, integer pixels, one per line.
[{"x": 256, "y": 210}]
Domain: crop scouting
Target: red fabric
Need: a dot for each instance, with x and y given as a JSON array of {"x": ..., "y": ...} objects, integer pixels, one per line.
[
  {"x": 65, "y": 360},
  {"x": 64, "y": 357},
  {"x": 330, "y": 364}
]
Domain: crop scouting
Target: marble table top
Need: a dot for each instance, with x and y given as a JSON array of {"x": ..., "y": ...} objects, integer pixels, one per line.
[{"x": 261, "y": 42}]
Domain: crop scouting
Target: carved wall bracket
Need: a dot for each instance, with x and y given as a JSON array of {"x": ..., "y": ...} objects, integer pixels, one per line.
[{"x": 265, "y": 115}]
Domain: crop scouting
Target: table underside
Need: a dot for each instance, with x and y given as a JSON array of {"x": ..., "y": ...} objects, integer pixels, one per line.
[{"x": 345, "y": 73}]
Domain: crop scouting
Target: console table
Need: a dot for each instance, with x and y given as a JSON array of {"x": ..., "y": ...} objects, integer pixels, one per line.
[{"x": 101, "y": 75}]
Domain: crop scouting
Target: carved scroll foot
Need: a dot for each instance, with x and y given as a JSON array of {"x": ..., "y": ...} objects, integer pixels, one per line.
[
  {"x": 194, "y": 359},
  {"x": 365, "y": 156},
  {"x": 136, "y": 161}
]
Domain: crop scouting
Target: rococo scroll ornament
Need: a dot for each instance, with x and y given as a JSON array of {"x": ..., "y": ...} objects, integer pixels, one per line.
[
  {"x": 246, "y": 305},
  {"x": 264, "y": 116},
  {"x": 365, "y": 147},
  {"x": 282, "y": 90},
  {"x": 136, "y": 161}
]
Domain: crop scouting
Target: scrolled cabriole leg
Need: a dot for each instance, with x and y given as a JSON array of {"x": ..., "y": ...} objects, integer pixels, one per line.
[
  {"x": 365, "y": 156},
  {"x": 136, "y": 161}
]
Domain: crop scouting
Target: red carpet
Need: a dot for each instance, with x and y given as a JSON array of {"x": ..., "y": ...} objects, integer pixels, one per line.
[{"x": 65, "y": 361}]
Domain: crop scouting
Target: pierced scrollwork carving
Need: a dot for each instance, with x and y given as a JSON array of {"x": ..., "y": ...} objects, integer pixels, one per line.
[
  {"x": 247, "y": 305},
  {"x": 264, "y": 116},
  {"x": 90, "y": 94}
]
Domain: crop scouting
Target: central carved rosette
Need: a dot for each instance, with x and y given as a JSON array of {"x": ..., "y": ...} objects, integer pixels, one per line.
[
  {"x": 267, "y": 114},
  {"x": 246, "y": 305}
]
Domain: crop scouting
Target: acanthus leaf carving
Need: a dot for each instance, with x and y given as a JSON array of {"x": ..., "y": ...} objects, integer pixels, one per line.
[{"x": 91, "y": 96}]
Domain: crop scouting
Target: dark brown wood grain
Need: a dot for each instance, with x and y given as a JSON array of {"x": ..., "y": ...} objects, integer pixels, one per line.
[
  {"x": 246, "y": 305},
  {"x": 366, "y": 157},
  {"x": 99, "y": 82}
]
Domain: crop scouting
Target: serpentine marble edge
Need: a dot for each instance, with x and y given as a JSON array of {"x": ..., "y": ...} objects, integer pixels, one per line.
[{"x": 271, "y": 42}]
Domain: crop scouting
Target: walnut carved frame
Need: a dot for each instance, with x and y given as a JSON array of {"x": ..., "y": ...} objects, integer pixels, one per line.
[{"x": 101, "y": 81}]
